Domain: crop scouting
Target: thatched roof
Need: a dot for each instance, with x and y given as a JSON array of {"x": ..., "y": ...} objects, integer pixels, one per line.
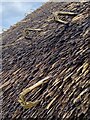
[{"x": 58, "y": 50}]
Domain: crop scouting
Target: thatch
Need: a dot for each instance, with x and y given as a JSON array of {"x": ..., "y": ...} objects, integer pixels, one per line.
[{"x": 58, "y": 50}]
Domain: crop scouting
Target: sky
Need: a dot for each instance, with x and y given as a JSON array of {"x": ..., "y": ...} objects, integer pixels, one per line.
[{"x": 12, "y": 11}]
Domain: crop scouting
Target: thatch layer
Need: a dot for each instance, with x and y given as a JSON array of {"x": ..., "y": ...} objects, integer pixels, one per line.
[{"x": 60, "y": 50}]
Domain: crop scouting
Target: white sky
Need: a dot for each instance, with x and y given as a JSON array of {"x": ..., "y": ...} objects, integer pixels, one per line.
[{"x": 12, "y": 11}]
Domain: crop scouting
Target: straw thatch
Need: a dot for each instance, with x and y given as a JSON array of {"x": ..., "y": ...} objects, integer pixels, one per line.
[{"x": 54, "y": 49}]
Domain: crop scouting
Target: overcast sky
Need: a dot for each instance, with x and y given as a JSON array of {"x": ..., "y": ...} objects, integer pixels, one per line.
[{"x": 14, "y": 10}]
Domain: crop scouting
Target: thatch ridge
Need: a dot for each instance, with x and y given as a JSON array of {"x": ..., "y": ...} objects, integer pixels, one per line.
[{"x": 60, "y": 50}]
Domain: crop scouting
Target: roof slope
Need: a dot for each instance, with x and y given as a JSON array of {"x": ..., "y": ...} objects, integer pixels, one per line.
[{"x": 60, "y": 50}]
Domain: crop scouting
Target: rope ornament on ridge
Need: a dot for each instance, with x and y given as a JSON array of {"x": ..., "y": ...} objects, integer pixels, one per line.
[
  {"x": 31, "y": 104},
  {"x": 26, "y": 31},
  {"x": 57, "y": 13}
]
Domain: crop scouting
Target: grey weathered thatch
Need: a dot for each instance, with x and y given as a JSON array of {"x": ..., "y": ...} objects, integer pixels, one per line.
[{"x": 60, "y": 50}]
